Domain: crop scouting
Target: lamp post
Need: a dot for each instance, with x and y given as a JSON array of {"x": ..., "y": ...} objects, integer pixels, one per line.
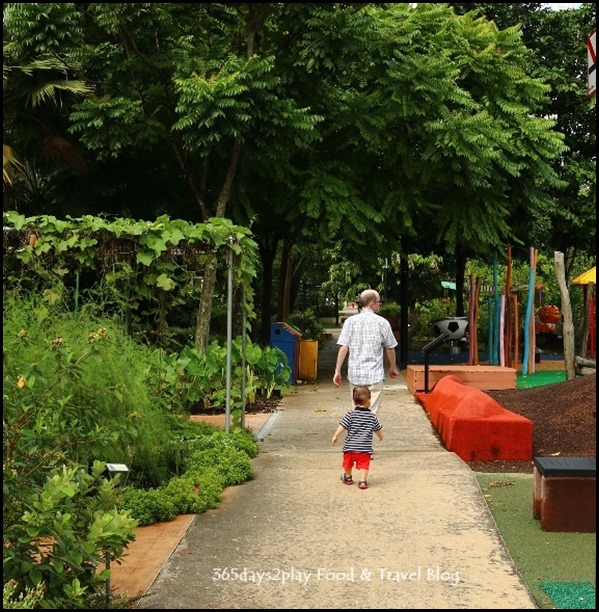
[
  {"x": 385, "y": 278},
  {"x": 112, "y": 470}
]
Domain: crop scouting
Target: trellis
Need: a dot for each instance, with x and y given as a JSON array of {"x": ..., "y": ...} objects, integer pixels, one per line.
[{"x": 95, "y": 243}]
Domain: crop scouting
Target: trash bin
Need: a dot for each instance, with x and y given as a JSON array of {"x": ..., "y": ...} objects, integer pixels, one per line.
[
  {"x": 286, "y": 338},
  {"x": 308, "y": 359}
]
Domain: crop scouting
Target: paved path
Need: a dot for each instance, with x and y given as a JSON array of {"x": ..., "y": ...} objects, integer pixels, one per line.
[{"x": 295, "y": 537}]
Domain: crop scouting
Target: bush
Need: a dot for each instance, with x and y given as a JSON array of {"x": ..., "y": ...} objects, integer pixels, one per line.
[
  {"x": 308, "y": 324},
  {"x": 28, "y": 599},
  {"x": 214, "y": 437},
  {"x": 232, "y": 465},
  {"x": 390, "y": 309},
  {"x": 149, "y": 506},
  {"x": 59, "y": 533}
]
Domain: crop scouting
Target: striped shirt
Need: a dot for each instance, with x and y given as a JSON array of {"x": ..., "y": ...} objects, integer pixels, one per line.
[
  {"x": 360, "y": 424},
  {"x": 366, "y": 335}
]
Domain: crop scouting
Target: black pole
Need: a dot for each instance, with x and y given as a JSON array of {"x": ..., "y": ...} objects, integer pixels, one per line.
[{"x": 427, "y": 350}]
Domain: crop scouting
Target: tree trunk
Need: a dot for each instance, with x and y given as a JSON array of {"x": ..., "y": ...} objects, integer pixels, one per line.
[
  {"x": 568, "y": 325},
  {"x": 267, "y": 255},
  {"x": 285, "y": 282},
  {"x": 586, "y": 321},
  {"x": 460, "y": 276},
  {"x": 404, "y": 276},
  {"x": 202, "y": 330}
]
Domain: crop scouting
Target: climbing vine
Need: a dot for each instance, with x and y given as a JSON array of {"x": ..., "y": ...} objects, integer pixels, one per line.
[{"x": 146, "y": 269}]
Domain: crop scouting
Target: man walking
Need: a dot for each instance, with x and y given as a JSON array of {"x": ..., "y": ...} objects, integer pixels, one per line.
[{"x": 367, "y": 337}]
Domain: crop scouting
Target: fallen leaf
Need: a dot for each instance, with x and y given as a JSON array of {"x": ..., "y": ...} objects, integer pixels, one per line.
[
  {"x": 556, "y": 454},
  {"x": 498, "y": 483},
  {"x": 319, "y": 410}
]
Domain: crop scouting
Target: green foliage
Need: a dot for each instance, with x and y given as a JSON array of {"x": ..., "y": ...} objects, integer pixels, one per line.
[
  {"x": 308, "y": 324},
  {"x": 29, "y": 599},
  {"x": 148, "y": 506},
  {"x": 79, "y": 380},
  {"x": 141, "y": 270},
  {"x": 425, "y": 312},
  {"x": 58, "y": 532},
  {"x": 196, "y": 380},
  {"x": 77, "y": 392},
  {"x": 210, "y": 460},
  {"x": 210, "y": 485},
  {"x": 195, "y": 493},
  {"x": 390, "y": 309},
  {"x": 234, "y": 466},
  {"x": 212, "y": 437},
  {"x": 267, "y": 370}
]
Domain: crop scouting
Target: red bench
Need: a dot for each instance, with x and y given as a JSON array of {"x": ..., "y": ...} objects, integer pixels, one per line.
[{"x": 475, "y": 426}]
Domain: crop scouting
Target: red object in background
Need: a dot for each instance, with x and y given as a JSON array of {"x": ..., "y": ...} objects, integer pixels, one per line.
[
  {"x": 549, "y": 314},
  {"x": 545, "y": 328},
  {"x": 592, "y": 327}
]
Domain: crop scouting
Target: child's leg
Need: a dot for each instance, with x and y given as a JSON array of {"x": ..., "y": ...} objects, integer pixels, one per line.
[
  {"x": 348, "y": 464},
  {"x": 363, "y": 465}
]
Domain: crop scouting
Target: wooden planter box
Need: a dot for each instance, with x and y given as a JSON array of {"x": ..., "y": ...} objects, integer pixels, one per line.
[{"x": 490, "y": 378}]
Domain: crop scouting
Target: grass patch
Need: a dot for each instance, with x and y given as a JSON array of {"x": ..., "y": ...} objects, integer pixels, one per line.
[
  {"x": 540, "y": 379},
  {"x": 541, "y": 557}
]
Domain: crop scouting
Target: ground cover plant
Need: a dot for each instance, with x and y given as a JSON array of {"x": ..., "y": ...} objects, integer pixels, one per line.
[{"x": 78, "y": 393}]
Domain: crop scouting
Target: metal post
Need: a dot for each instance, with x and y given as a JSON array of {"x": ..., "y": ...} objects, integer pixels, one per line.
[
  {"x": 229, "y": 339},
  {"x": 108, "y": 587},
  {"x": 427, "y": 350},
  {"x": 243, "y": 363}
]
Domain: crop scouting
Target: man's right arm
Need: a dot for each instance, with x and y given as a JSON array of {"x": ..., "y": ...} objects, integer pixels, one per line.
[{"x": 341, "y": 355}]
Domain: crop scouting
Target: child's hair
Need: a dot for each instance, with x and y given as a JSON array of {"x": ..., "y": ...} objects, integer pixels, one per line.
[{"x": 361, "y": 395}]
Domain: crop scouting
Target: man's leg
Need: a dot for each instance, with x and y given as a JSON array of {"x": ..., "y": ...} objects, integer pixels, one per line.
[{"x": 376, "y": 395}]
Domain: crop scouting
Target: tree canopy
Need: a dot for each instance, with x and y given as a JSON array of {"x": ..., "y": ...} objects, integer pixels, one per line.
[{"x": 383, "y": 127}]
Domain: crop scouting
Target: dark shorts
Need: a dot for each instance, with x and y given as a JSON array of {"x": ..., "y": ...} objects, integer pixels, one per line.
[{"x": 362, "y": 461}]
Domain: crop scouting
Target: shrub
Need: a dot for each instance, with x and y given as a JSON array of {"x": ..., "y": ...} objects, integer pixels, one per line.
[
  {"x": 233, "y": 465},
  {"x": 217, "y": 438},
  {"x": 194, "y": 493},
  {"x": 308, "y": 324},
  {"x": 148, "y": 506},
  {"x": 59, "y": 533},
  {"x": 28, "y": 599}
]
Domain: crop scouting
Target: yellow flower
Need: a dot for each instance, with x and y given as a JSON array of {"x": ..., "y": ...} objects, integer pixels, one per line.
[{"x": 21, "y": 382}]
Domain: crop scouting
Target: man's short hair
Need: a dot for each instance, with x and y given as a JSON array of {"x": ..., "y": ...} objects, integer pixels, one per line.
[{"x": 367, "y": 296}]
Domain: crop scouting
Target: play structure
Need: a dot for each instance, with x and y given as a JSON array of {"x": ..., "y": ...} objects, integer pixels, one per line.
[
  {"x": 504, "y": 326},
  {"x": 470, "y": 423},
  {"x": 588, "y": 281}
]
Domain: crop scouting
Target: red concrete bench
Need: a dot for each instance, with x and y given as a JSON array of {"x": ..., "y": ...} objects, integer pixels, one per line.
[{"x": 474, "y": 425}]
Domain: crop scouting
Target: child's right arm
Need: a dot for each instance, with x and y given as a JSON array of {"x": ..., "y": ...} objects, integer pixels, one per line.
[{"x": 336, "y": 435}]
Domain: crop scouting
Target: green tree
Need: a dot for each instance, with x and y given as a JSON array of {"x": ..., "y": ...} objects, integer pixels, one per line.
[
  {"x": 380, "y": 126},
  {"x": 182, "y": 80},
  {"x": 38, "y": 154},
  {"x": 557, "y": 40}
]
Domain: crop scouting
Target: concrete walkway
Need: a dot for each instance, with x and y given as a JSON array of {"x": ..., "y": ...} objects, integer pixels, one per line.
[{"x": 295, "y": 537}]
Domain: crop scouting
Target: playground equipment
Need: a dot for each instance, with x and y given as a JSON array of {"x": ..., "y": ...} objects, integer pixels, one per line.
[
  {"x": 454, "y": 327},
  {"x": 448, "y": 328}
]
